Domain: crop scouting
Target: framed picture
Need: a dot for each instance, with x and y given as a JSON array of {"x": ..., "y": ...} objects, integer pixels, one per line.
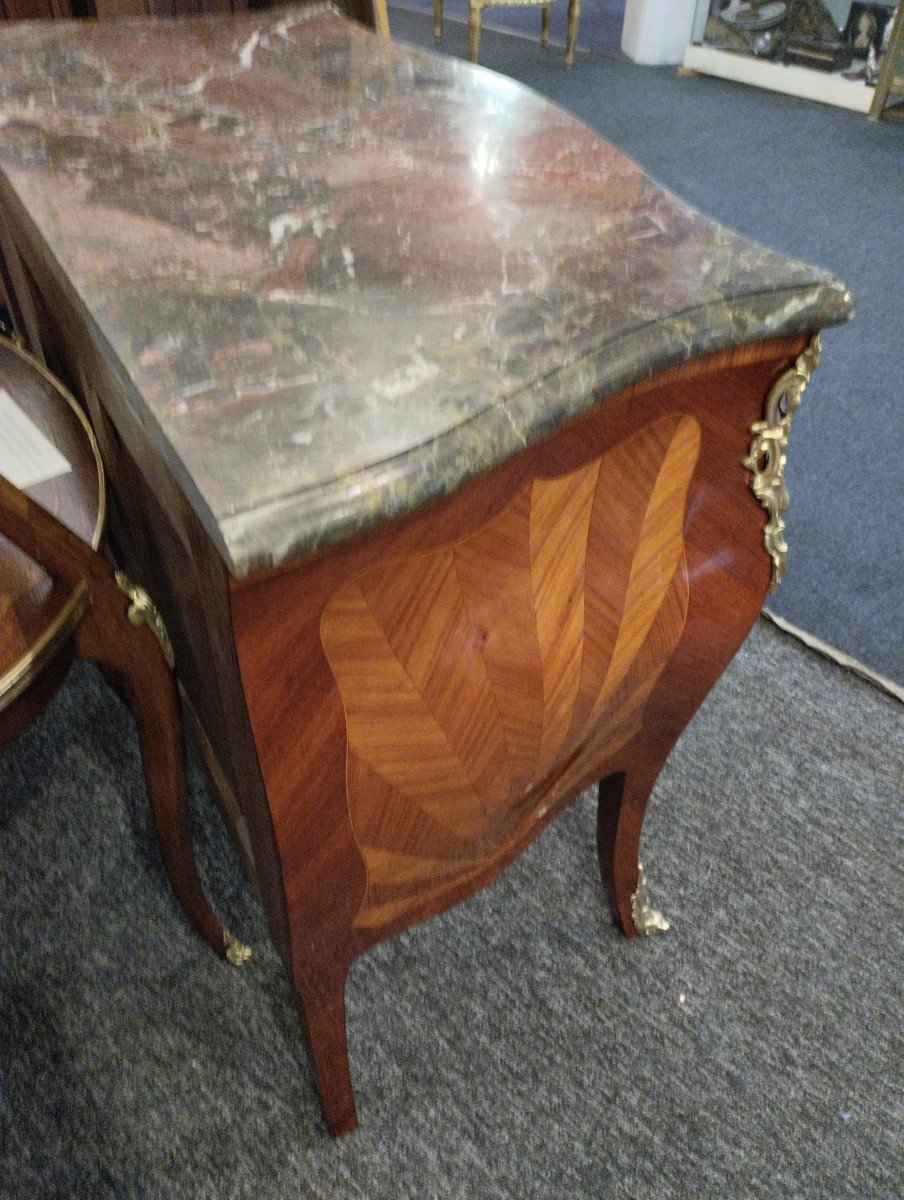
[{"x": 865, "y": 27}]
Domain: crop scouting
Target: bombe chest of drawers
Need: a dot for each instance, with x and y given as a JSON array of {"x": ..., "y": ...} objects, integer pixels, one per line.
[{"x": 449, "y": 445}]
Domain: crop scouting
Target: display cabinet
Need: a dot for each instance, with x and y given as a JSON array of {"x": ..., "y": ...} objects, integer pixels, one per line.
[{"x": 826, "y": 50}]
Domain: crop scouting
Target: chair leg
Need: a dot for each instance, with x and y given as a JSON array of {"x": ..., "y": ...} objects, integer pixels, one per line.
[
  {"x": 437, "y": 19},
  {"x": 108, "y": 637},
  {"x": 574, "y": 11},
  {"x": 545, "y": 14},
  {"x": 381, "y": 18},
  {"x": 474, "y": 14}
]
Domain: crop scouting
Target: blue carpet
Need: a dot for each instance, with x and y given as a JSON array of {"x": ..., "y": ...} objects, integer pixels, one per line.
[{"x": 819, "y": 183}]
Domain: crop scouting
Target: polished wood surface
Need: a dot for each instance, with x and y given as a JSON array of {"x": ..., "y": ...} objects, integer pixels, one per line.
[
  {"x": 32, "y": 10},
  {"x": 475, "y": 676},
  {"x": 426, "y": 697},
  {"x": 105, "y": 10},
  {"x": 44, "y": 556},
  {"x": 369, "y": 12},
  {"x": 160, "y": 543}
]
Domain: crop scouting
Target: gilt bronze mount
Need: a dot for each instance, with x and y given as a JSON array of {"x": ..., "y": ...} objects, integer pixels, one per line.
[
  {"x": 647, "y": 919},
  {"x": 768, "y": 453},
  {"x": 143, "y": 611}
]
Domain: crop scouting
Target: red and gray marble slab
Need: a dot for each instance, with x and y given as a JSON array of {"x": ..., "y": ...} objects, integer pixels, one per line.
[{"x": 344, "y": 275}]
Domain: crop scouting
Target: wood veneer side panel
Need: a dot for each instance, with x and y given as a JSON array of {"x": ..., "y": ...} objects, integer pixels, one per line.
[
  {"x": 298, "y": 723},
  {"x": 725, "y": 597},
  {"x": 294, "y": 705},
  {"x": 455, "y": 740}
]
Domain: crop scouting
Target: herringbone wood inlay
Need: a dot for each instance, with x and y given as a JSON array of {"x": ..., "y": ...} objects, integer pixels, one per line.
[{"x": 478, "y": 677}]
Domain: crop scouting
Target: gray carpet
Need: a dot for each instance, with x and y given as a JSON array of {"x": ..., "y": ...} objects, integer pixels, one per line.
[
  {"x": 515, "y": 1047},
  {"x": 821, "y": 184}
]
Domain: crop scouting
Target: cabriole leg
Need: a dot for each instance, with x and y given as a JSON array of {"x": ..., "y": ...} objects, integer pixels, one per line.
[
  {"x": 622, "y": 803},
  {"x": 322, "y": 1012},
  {"x": 110, "y": 636}
]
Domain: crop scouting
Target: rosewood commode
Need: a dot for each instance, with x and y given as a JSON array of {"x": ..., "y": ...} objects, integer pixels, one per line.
[{"x": 449, "y": 445}]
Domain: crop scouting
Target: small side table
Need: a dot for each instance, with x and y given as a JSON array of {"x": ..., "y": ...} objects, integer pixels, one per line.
[{"x": 59, "y": 600}]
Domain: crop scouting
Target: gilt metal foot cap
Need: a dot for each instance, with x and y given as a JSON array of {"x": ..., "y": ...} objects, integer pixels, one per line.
[
  {"x": 236, "y": 952},
  {"x": 647, "y": 919}
]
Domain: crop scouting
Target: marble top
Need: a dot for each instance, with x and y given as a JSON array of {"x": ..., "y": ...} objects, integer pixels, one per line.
[{"x": 342, "y": 275}]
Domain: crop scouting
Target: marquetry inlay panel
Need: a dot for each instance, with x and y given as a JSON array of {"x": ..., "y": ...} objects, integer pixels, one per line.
[{"x": 478, "y": 678}]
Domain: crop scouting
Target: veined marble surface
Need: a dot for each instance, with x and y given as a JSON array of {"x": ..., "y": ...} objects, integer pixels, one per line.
[{"x": 345, "y": 275}]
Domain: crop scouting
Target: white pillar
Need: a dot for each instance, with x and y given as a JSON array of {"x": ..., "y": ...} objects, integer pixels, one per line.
[{"x": 657, "y": 31}]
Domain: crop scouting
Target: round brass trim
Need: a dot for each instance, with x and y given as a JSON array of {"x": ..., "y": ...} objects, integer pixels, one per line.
[
  {"x": 58, "y": 387},
  {"x": 21, "y": 674},
  {"x": 30, "y": 665}
]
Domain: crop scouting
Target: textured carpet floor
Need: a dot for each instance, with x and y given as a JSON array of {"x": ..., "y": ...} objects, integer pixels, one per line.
[
  {"x": 821, "y": 184},
  {"x": 515, "y": 1047}
]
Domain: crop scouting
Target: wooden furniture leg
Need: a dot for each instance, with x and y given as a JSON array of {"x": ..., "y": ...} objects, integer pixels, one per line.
[
  {"x": 437, "y": 19},
  {"x": 545, "y": 14},
  {"x": 474, "y": 15},
  {"x": 622, "y": 803},
  {"x": 106, "y": 637},
  {"x": 381, "y": 18},
  {"x": 321, "y": 1011},
  {"x": 625, "y": 791},
  {"x": 121, "y": 631},
  {"x": 574, "y": 12}
]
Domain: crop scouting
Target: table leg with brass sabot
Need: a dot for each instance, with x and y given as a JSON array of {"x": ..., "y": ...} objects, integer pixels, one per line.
[
  {"x": 119, "y": 629},
  {"x": 707, "y": 645}
]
